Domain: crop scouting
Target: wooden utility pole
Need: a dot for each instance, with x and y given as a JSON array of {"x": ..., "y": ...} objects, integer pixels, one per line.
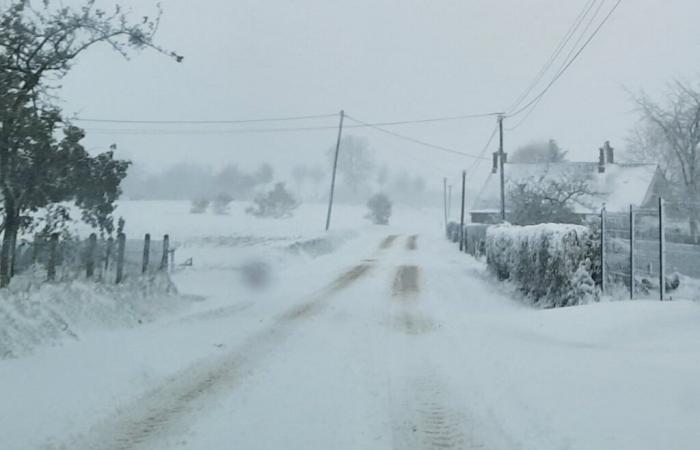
[
  {"x": 449, "y": 200},
  {"x": 461, "y": 220},
  {"x": 335, "y": 168},
  {"x": 444, "y": 200},
  {"x": 501, "y": 161}
]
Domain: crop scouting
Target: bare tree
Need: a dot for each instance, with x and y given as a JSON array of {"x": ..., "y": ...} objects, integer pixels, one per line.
[
  {"x": 547, "y": 200},
  {"x": 539, "y": 152},
  {"x": 678, "y": 121},
  {"x": 355, "y": 162}
]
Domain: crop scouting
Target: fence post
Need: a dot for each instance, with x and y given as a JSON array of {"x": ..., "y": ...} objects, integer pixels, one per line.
[
  {"x": 35, "y": 249},
  {"x": 632, "y": 243},
  {"x": 90, "y": 256},
  {"x": 461, "y": 222},
  {"x": 53, "y": 248},
  {"x": 166, "y": 249},
  {"x": 108, "y": 252},
  {"x": 662, "y": 259},
  {"x": 146, "y": 252},
  {"x": 121, "y": 244},
  {"x": 603, "y": 271}
]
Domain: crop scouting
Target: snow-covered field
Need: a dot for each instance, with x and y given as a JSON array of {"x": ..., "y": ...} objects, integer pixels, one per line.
[{"x": 368, "y": 337}]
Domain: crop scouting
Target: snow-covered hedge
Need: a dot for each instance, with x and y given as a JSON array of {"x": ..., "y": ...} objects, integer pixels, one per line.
[{"x": 550, "y": 263}]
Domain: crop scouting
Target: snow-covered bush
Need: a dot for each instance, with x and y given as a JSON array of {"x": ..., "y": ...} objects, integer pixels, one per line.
[
  {"x": 221, "y": 203},
  {"x": 379, "y": 207},
  {"x": 277, "y": 203},
  {"x": 199, "y": 205},
  {"x": 551, "y": 264}
]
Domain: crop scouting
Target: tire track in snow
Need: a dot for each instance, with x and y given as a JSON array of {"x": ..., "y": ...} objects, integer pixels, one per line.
[
  {"x": 426, "y": 416},
  {"x": 424, "y": 413},
  {"x": 163, "y": 411}
]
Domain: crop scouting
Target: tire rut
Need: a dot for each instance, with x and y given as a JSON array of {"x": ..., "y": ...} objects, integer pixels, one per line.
[
  {"x": 406, "y": 281},
  {"x": 162, "y": 411}
]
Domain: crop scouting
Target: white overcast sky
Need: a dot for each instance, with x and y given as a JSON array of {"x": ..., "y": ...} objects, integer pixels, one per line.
[{"x": 379, "y": 60}]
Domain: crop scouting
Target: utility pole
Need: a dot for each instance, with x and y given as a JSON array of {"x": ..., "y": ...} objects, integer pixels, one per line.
[
  {"x": 444, "y": 199},
  {"x": 461, "y": 221},
  {"x": 449, "y": 200},
  {"x": 335, "y": 167},
  {"x": 501, "y": 161}
]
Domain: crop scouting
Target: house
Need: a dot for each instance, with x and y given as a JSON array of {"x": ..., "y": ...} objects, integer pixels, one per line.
[{"x": 617, "y": 185}]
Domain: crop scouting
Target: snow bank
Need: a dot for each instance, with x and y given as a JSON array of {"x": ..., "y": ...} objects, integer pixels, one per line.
[
  {"x": 35, "y": 314},
  {"x": 551, "y": 264}
]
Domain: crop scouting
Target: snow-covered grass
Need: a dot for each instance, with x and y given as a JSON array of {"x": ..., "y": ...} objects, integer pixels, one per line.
[{"x": 37, "y": 314}]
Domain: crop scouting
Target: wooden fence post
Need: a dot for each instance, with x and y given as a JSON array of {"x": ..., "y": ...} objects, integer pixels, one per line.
[
  {"x": 90, "y": 256},
  {"x": 121, "y": 244},
  {"x": 108, "y": 252},
  {"x": 146, "y": 252},
  {"x": 53, "y": 249},
  {"x": 166, "y": 249}
]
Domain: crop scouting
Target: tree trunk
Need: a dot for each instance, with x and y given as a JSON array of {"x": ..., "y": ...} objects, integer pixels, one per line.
[{"x": 8, "y": 237}]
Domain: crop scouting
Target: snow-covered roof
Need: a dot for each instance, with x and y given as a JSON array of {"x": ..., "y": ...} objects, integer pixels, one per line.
[{"x": 618, "y": 187}]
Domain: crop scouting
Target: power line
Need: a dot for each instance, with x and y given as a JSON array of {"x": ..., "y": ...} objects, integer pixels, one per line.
[
  {"x": 557, "y": 51},
  {"x": 569, "y": 63},
  {"x": 280, "y": 119},
  {"x": 483, "y": 151},
  {"x": 410, "y": 139},
  {"x": 203, "y": 122}
]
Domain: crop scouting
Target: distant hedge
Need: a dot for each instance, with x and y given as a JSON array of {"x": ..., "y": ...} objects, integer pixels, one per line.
[{"x": 552, "y": 264}]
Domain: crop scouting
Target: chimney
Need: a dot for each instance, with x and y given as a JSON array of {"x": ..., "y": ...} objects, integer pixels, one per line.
[
  {"x": 601, "y": 160},
  {"x": 609, "y": 153}
]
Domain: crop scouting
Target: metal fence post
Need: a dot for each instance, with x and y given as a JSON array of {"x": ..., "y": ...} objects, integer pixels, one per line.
[
  {"x": 603, "y": 271},
  {"x": 632, "y": 243},
  {"x": 146, "y": 252},
  {"x": 662, "y": 259},
  {"x": 121, "y": 244}
]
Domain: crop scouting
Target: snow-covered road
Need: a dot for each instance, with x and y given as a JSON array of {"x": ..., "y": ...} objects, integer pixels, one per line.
[{"x": 394, "y": 342}]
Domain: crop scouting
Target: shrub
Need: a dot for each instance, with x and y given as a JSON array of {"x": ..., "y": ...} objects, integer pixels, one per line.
[
  {"x": 379, "y": 209},
  {"x": 199, "y": 205},
  {"x": 221, "y": 203},
  {"x": 551, "y": 264},
  {"x": 277, "y": 203}
]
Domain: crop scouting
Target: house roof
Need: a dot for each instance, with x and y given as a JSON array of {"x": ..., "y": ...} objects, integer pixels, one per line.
[{"x": 618, "y": 187}]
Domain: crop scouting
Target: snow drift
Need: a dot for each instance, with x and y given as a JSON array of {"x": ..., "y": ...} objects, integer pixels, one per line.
[{"x": 32, "y": 315}]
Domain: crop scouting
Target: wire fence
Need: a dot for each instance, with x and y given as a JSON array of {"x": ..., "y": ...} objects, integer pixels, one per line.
[
  {"x": 109, "y": 260},
  {"x": 649, "y": 251}
]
